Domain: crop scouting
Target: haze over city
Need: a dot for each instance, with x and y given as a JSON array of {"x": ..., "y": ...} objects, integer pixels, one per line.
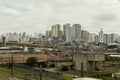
[
  {"x": 59, "y": 40},
  {"x": 39, "y": 15}
]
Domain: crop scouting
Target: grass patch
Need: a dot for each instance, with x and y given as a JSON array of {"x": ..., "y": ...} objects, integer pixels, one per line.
[
  {"x": 21, "y": 73},
  {"x": 66, "y": 77}
]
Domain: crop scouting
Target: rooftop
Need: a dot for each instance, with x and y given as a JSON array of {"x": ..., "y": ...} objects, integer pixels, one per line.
[{"x": 86, "y": 78}]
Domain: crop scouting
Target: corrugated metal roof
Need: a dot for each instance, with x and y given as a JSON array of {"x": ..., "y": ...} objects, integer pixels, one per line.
[{"x": 114, "y": 55}]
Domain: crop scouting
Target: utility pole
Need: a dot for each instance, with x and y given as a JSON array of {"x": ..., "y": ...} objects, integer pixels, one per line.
[
  {"x": 94, "y": 62},
  {"x": 116, "y": 63},
  {"x": 82, "y": 69},
  {"x": 32, "y": 73},
  {"x": 25, "y": 77},
  {"x": 46, "y": 76},
  {"x": 59, "y": 76},
  {"x": 40, "y": 72},
  {"x": 12, "y": 65}
]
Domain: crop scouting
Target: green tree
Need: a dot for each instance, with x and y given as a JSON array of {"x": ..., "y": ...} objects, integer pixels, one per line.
[{"x": 32, "y": 61}]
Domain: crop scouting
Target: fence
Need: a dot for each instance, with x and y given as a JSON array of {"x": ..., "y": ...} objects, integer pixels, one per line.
[{"x": 39, "y": 73}]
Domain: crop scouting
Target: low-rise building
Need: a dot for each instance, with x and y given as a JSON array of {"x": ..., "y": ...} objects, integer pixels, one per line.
[
  {"x": 11, "y": 49},
  {"x": 117, "y": 75},
  {"x": 89, "y": 60}
]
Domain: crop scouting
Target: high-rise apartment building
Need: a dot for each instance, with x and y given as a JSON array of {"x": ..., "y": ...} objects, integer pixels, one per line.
[
  {"x": 12, "y": 36},
  {"x": 105, "y": 38},
  {"x": 96, "y": 38},
  {"x": 92, "y": 37},
  {"x": 76, "y": 32},
  {"x": 67, "y": 35},
  {"x": 84, "y": 35},
  {"x": 113, "y": 38},
  {"x": 56, "y": 32},
  {"x": 48, "y": 34},
  {"x": 101, "y": 36}
]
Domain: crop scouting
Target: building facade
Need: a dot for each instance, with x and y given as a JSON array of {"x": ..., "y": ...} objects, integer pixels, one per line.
[
  {"x": 56, "y": 31},
  {"x": 76, "y": 32},
  {"x": 101, "y": 36},
  {"x": 67, "y": 34},
  {"x": 90, "y": 61}
]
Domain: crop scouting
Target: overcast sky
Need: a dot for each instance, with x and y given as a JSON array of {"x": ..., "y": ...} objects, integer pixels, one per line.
[{"x": 38, "y": 15}]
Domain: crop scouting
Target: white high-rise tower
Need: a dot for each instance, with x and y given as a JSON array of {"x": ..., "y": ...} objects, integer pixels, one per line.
[
  {"x": 101, "y": 36},
  {"x": 76, "y": 32}
]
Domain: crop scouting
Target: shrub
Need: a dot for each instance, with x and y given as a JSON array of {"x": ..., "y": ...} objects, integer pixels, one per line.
[
  {"x": 64, "y": 68},
  {"x": 43, "y": 64},
  {"x": 32, "y": 61},
  {"x": 52, "y": 65},
  {"x": 8, "y": 65}
]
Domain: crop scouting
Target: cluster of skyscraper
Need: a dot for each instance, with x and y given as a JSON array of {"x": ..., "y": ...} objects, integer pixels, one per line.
[
  {"x": 21, "y": 37},
  {"x": 75, "y": 33},
  {"x": 69, "y": 33},
  {"x": 16, "y": 37}
]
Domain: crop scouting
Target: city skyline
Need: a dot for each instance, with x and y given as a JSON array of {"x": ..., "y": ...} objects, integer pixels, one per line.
[
  {"x": 39, "y": 15},
  {"x": 61, "y": 28}
]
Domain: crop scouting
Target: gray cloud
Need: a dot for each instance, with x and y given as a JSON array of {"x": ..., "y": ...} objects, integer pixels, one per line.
[
  {"x": 38, "y": 15},
  {"x": 106, "y": 17}
]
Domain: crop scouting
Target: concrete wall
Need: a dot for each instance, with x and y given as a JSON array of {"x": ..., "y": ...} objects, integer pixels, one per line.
[
  {"x": 96, "y": 57},
  {"x": 90, "y": 66},
  {"x": 117, "y": 75},
  {"x": 78, "y": 59}
]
